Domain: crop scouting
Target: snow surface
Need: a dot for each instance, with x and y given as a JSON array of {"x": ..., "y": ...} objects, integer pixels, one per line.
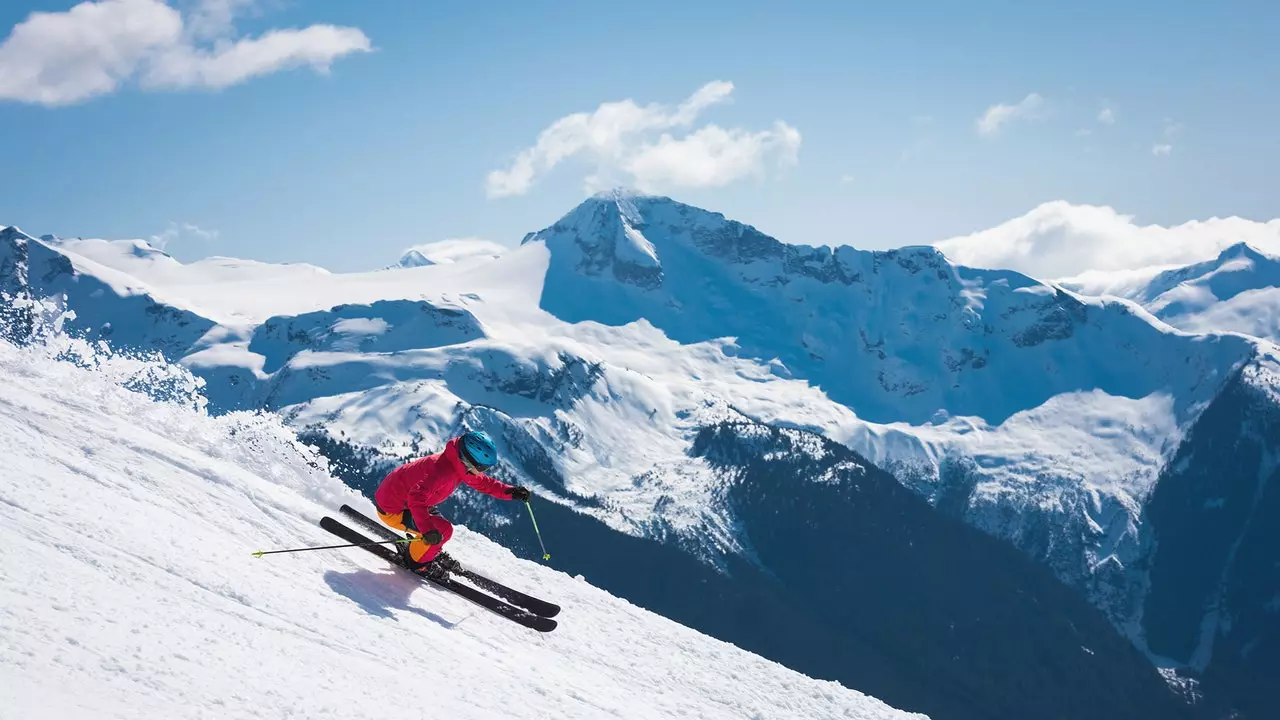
[
  {"x": 204, "y": 287},
  {"x": 1239, "y": 291},
  {"x": 127, "y": 589},
  {"x": 243, "y": 293}
]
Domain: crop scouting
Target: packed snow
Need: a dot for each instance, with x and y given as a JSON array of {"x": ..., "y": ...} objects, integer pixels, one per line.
[{"x": 127, "y": 588}]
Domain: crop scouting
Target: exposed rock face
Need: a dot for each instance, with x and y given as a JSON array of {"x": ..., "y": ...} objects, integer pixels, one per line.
[{"x": 1214, "y": 518}]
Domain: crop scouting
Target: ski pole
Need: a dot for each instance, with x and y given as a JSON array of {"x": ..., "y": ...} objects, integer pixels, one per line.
[
  {"x": 545, "y": 554},
  {"x": 260, "y": 553}
]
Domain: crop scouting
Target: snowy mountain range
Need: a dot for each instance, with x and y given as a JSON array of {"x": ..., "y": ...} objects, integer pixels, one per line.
[{"x": 605, "y": 348}]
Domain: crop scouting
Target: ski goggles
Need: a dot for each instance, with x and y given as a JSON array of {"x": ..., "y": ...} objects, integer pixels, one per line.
[{"x": 469, "y": 465}]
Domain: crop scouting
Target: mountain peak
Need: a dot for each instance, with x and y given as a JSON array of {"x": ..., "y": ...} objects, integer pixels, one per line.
[
  {"x": 605, "y": 234},
  {"x": 1240, "y": 275},
  {"x": 446, "y": 252},
  {"x": 622, "y": 193},
  {"x": 1245, "y": 250},
  {"x": 13, "y": 233},
  {"x": 414, "y": 258}
]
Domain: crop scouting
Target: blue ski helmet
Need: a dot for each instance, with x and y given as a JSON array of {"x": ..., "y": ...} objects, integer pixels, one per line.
[{"x": 477, "y": 449}]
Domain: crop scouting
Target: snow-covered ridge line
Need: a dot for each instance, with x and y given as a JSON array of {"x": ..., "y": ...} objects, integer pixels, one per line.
[
  {"x": 125, "y": 532},
  {"x": 1238, "y": 291}
]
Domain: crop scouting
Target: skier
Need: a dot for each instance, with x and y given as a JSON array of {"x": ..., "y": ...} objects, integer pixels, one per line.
[{"x": 408, "y": 496}]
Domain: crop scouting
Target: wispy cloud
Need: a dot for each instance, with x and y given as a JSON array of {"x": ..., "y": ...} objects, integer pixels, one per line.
[
  {"x": 918, "y": 147},
  {"x": 211, "y": 19},
  {"x": 997, "y": 116},
  {"x": 177, "y": 231},
  {"x": 317, "y": 46},
  {"x": 1107, "y": 115},
  {"x": 619, "y": 138},
  {"x": 95, "y": 48},
  {"x": 1171, "y": 130},
  {"x": 711, "y": 157},
  {"x": 846, "y": 179}
]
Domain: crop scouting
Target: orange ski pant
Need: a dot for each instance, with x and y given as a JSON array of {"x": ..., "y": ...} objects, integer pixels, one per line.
[{"x": 419, "y": 550}]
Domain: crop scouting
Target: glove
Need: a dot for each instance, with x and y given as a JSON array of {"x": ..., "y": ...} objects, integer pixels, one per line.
[
  {"x": 432, "y": 537},
  {"x": 519, "y": 493}
]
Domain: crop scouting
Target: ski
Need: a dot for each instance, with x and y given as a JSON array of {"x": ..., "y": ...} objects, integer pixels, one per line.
[
  {"x": 488, "y": 602},
  {"x": 528, "y": 602}
]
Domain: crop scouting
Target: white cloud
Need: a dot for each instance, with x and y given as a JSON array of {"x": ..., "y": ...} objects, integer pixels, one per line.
[
  {"x": 230, "y": 64},
  {"x": 710, "y": 94},
  {"x": 209, "y": 19},
  {"x": 846, "y": 179},
  {"x": 182, "y": 231},
  {"x": 94, "y": 48},
  {"x": 618, "y": 137},
  {"x": 1107, "y": 116},
  {"x": 997, "y": 116},
  {"x": 1171, "y": 130},
  {"x": 1084, "y": 132},
  {"x": 60, "y": 58},
  {"x": 711, "y": 157},
  {"x": 1058, "y": 239}
]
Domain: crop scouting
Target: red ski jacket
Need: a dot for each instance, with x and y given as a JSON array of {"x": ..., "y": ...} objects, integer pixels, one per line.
[{"x": 429, "y": 480}]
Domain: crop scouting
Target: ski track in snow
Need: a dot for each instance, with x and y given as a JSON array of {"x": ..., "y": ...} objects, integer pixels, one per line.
[{"x": 127, "y": 590}]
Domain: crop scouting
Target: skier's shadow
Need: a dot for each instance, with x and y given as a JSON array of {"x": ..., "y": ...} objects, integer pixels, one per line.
[{"x": 380, "y": 593}]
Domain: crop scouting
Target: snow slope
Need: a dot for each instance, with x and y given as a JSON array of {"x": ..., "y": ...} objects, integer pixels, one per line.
[
  {"x": 1238, "y": 291},
  {"x": 127, "y": 589}
]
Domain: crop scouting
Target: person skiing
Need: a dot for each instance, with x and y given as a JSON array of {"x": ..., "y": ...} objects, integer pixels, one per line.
[{"x": 408, "y": 496}]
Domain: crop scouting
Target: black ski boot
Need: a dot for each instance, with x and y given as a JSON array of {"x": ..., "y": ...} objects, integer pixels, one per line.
[
  {"x": 402, "y": 549},
  {"x": 432, "y": 537},
  {"x": 442, "y": 566}
]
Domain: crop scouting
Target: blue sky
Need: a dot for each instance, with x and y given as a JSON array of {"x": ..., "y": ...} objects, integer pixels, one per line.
[{"x": 845, "y": 122}]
